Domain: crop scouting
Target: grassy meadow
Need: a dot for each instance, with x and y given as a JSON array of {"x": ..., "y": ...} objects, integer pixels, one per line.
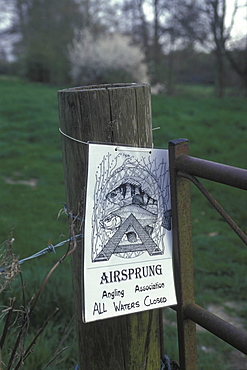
[{"x": 32, "y": 187}]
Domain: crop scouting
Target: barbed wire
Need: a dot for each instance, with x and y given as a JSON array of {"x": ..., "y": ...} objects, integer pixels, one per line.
[
  {"x": 51, "y": 248},
  {"x": 65, "y": 210}
]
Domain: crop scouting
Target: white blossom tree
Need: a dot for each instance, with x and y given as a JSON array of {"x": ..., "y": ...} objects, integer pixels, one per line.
[{"x": 107, "y": 58}]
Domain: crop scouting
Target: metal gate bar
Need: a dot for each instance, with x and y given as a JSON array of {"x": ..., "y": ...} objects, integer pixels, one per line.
[
  {"x": 188, "y": 313},
  {"x": 224, "y": 174},
  {"x": 217, "y": 206},
  {"x": 182, "y": 257},
  {"x": 222, "y": 329}
]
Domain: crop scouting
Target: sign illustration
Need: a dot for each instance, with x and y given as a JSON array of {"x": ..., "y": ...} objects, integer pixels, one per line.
[{"x": 128, "y": 243}]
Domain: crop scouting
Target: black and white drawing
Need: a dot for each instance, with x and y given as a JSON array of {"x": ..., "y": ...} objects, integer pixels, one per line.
[{"x": 131, "y": 207}]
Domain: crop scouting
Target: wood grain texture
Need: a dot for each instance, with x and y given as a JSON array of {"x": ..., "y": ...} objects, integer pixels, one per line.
[{"x": 114, "y": 114}]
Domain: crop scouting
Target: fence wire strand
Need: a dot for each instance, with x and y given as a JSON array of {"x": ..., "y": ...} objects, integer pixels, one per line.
[{"x": 50, "y": 249}]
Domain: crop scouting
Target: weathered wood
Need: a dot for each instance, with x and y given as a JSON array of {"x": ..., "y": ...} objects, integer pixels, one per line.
[{"x": 119, "y": 114}]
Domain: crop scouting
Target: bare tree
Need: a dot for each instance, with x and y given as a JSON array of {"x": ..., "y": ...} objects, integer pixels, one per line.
[
  {"x": 237, "y": 56},
  {"x": 142, "y": 23},
  {"x": 97, "y": 15},
  {"x": 183, "y": 29},
  {"x": 236, "y": 52},
  {"x": 215, "y": 11},
  {"x": 135, "y": 24}
]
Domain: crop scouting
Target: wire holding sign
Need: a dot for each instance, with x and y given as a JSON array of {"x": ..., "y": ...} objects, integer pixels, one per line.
[{"x": 128, "y": 216}]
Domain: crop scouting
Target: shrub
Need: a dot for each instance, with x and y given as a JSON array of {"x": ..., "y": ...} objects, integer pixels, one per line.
[
  {"x": 107, "y": 59},
  {"x": 23, "y": 322}
]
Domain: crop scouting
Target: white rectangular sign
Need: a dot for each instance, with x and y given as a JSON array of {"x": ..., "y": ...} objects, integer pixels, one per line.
[{"x": 128, "y": 238}]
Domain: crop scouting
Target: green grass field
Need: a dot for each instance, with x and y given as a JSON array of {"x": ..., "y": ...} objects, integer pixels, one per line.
[{"x": 32, "y": 187}]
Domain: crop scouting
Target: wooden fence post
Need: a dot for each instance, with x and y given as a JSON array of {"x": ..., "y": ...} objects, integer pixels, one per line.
[{"x": 119, "y": 114}]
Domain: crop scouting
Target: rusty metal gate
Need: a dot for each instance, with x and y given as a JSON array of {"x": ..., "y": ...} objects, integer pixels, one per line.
[{"x": 183, "y": 168}]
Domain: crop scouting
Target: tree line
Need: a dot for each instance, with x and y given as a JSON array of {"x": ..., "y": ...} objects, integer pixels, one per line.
[{"x": 179, "y": 40}]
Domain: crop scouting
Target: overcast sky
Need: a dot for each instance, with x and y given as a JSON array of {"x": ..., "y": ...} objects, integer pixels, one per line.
[{"x": 240, "y": 24}]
